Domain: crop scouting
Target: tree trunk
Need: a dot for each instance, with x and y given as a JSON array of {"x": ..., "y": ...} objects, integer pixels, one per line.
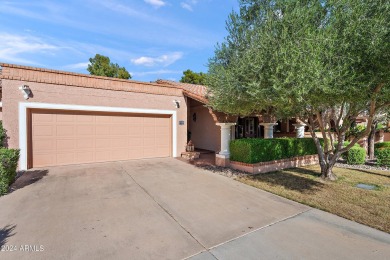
[
  {"x": 371, "y": 141},
  {"x": 327, "y": 171}
]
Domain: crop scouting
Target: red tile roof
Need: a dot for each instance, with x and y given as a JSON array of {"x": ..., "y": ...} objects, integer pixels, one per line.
[{"x": 197, "y": 92}]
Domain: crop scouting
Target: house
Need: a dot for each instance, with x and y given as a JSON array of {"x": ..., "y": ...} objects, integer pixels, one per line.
[{"x": 60, "y": 118}]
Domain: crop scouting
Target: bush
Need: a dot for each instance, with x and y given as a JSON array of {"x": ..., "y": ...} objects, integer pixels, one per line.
[
  {"x": 383, "y": 156},
  {"x": 3, "y": 134},
  {"x": 8, "y": 163},
  {"x": 256, "y": 150},
  {"x": 382, "y": 145},
  {"x": 356, "y": 155}
]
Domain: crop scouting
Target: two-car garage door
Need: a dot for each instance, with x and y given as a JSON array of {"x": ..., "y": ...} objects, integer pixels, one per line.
[{"x": 72, "y": 137}]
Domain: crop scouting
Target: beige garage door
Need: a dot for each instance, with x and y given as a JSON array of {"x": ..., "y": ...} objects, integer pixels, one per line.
[{"x": 69, "y": 137}]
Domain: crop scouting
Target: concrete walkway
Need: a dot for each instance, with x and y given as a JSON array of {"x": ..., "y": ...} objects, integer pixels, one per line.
[{"x": 167, "y": 209}]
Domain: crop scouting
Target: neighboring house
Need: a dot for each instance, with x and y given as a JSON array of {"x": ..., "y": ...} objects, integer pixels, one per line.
[{"x": 60, "y": 118}]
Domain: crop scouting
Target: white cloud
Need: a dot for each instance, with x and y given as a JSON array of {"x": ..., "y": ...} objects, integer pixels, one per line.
[
  {"x": 189, "y": 4},
  {"x": 76, "y": 66},
  {"x": 13, "y": 46},
  {"x": 155, "y": 3},
  {"x": 186, "y": 6},
  {"x": 164, "y": 60},
  {"x": 155, "y": 72}
]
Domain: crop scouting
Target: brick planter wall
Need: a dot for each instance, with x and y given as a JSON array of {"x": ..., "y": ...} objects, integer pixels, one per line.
[{"x": 276, "y": 165}]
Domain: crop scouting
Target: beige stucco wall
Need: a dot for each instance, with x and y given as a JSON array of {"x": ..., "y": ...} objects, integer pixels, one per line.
[
  {"x": 61, "y": 94},
  {"x": 204, "y": 132}
]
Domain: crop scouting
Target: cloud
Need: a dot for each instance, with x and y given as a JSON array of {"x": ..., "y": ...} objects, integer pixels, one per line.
[
  {"x": 13, "y": 46},
  {"x": 155, "y": 72},
  {"x": 189, "y": 4},
  {"x": 155, "y": 3},
  {"x": 76, "y": 66},
  {"x": 186, "y": 6},
  {"x": 164, "y": 60}
]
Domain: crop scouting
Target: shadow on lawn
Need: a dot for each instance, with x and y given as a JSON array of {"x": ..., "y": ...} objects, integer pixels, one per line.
[
  {"x": 28, "y": 178},
  {"x": 373, "y": 173},
  {"x": 291, "y": 180},
  {"x": 5, "y": 233}
]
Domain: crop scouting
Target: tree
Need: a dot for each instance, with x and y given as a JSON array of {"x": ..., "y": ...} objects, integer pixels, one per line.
[
  {"x": 101, "y": 66},
  {"x": 324, "y": 62},
  {"x": 192, "y": 77},
  {"x": 381, "y": 118}
]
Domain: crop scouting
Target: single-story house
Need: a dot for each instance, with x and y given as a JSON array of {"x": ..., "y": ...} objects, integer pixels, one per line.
[{"x": 60, "y": 118}]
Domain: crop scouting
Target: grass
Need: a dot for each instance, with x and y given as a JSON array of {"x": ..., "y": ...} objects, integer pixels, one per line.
[{"x": 341, "y": 197}]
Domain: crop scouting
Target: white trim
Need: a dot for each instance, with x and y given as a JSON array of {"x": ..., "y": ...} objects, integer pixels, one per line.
[
  {"x": 1, "y": 104},
  {"x": 23, "y": 106}
]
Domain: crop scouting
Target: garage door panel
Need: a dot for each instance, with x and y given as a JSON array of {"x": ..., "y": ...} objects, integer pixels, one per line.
[
  {"x": 65, "y": 130},
  {"x": 102, "y": 130},
  {"x": 85, "y": 130},
  {"x": 43, "y": 118},
  {"x": 41, "y": 160},
  {"x": 48, "y": 144},
  {"x": 120, "y": 154},
  {"x": 64, "y": 144},
  {"x": 68, "y": 137},
  {"x": 102, "y": 155},
  {"x": 103, "y": 119},
  {"x": 84, "y": 119},
  {"x": 85, "y": 143},
  {"x": 120, "y": 129},
  {"x": 43, "y": 130},
  {"x": 85, "y": 156},
  {"x": 64, "y": 118},
  {"x": 65, "y": 158}
]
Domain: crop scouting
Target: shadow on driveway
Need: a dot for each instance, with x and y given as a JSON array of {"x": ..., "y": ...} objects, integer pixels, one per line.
[
  {"x": 27, "y": 178},
  {"x": 5, "y": 233}
]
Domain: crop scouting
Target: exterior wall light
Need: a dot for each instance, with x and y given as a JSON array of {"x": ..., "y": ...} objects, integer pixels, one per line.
[
  {"x": 177, "y": 103},
  {"x": 26, "y": 91}
]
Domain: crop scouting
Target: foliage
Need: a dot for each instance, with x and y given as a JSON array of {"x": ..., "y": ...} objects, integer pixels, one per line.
[
  {"x": 380, "y": 126},
  {"x": 101, "y": 66},
  {"x": 3, "y": 135},
  {"x": 382, "y": 145},
  {"x": 354, "y": 131},
  {"x": 256, "y": 150},
  {"x": 8, "y": 163},
  {"x": 193, "y": 78},
  {"x": 383, "y": 156},
  {"x": 325, "y": 62},
  {"x": 356, "y": 155}
]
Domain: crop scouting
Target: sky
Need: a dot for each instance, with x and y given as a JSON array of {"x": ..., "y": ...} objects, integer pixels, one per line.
[{"x": 152, "y": 39}]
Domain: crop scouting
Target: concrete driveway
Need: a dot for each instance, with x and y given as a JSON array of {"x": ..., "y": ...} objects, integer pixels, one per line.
[{"x": 167, "y": 209}]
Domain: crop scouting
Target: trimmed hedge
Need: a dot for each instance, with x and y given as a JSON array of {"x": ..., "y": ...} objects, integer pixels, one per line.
[
  {"x": 383, "y": 156},
  {"x": 8, "y": 163},
  {"x": 356, "y": 155},
  {"x": 256, "y": 150},
  {"x": 382, "y": 145}
]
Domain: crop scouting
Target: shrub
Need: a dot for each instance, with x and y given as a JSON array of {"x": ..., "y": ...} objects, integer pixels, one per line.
[
  {"x": 256, "y": 150},
  {"x": 382, "y": 145},
  {"x": 3, "y": 134},
  {"x": 8, "y": 163},
  {"x": 383, "y": 156},
  {"x": 356, "y": 155}
]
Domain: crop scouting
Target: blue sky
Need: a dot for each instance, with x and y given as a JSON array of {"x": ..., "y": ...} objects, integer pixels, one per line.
[{"x": 153, "y": 39}]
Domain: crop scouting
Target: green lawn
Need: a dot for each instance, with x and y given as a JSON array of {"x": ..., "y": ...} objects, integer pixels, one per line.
[{"x": 304, "y": 185}]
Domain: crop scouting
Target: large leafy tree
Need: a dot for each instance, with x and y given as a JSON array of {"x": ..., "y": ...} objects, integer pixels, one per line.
[
  {"x": 102, "y": 66},
  {"x": 324, "y": 62},
  {"x": 193, "y": 77}
]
